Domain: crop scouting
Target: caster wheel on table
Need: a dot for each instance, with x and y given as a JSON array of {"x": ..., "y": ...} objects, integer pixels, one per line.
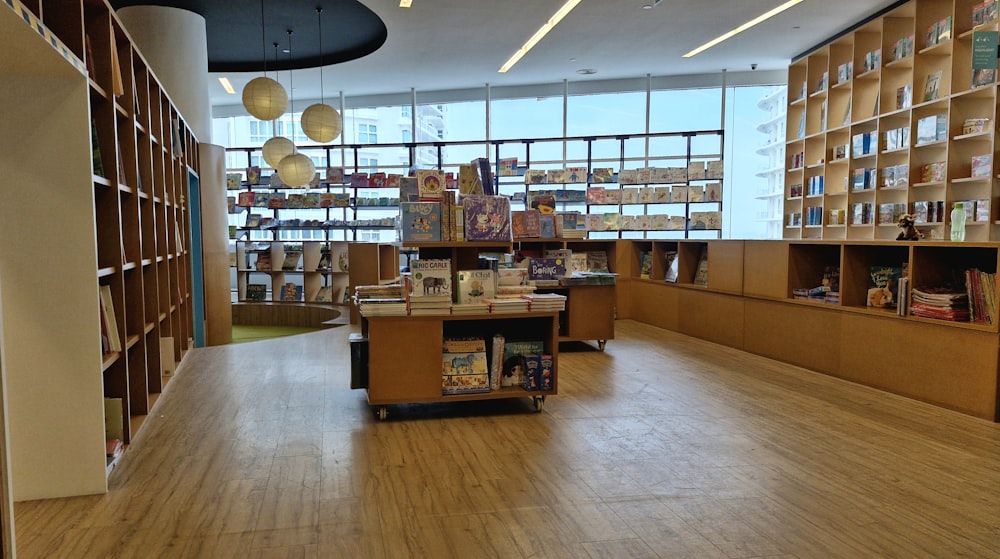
[
  {"x": 539, "y": 402},
  {"x": 381, "y": 413},
  {"x": 600, "y": 344}
]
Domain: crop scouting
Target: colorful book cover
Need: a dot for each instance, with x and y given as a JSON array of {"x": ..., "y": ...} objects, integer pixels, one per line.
[
  {"x": 515, "y": 364},
  {"x": 341, "y": 200},
  {"x": 508, "y": 166},
  {"x": 696, "y": 193},
  {"x": 245, "y": 199},
  {"x": 630, "y": 195},
  {"x": 291, "y": 292},
  {"x": 613, "y": 196},
  {"x": 377, "y": 180},
  {"x": 628, "y": 176},
  {"x": 334, "y": 175},
  {"x": 556, "y": 176},
  {"x": 295, "y": 201},
  {"x": 253, "y": 220},
  {"x": 547, "y": 268},
  {"x": 420, "y": 221},
  {"x": 678, "y": 194},
  {"x": 430, "y": 184},
  {"x": 534, "y": 176},
  {"x": 256, "y": 292},
  {"x": 277, "y": 201},
  {"x": 487, "y": 218},
  {"x": 325, "y": 200},
  {"x": 544, "y": 202},
  {"x": 603, "y": 175},
  {"x": 359, "y": 180},
  {"x": 595, "y": 195},
  {"x": 576, "y": 174},
  {"x": 475, "y": 285},
  {"x": 253, "y": 175},
  {"x": 610, "y": 221},
  {"x": 883, "y": 286},
  {"x": 431, "y": 278},
  {"x": 233, "y": 181},
  {"x": 262, "y": 199}
]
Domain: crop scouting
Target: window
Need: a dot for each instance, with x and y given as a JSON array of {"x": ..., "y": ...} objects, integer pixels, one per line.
[
  {"x": 406, "y": 111},
  {"x": 367, "y": 134},
  {"x": 369, "y": 163},
  {"x": 407, "y": 135},
  {"x": 260, "y": 131}
]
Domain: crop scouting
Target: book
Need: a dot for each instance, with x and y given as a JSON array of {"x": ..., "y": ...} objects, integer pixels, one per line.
[
  {"x": 109, "y": 321},
  {"x": 245, "y": 199},
  {"x": 430, "y": 279},
  {"x": 515, "y": 360},
  {"x": 645, "y": 264},
  {"x": 534, "y": 176},
  {"x": 253, "y": 175},
  {"x": 291, "y": 292},
  {"x": 496, "y": 361},
  {"x": 473, "y": 286},
  {"x": 701, "y": 270},
  {"x": 932, "y": 86},
  {"x": 420, "y": 221},
  {"x": 525, "y": 224},
  {"x": 430, "y": 184},
  {"x": 234, "y": 181},
  {"x": 546, "y": 269},
  {"x": 253, "y": 220},
  {"x": 883, "y": 286},
  {"x": 291, "y": 262},
  {"x": 256, "y": 292},
  {"x": 602, "y": 175},
  {"x": 487, "y": 218},
  {"x": 597, "y": 261},
  {"x": 547, "y": 226},
  {"x": 670, "y": 266},
  {"x": 263, "y": 260}
]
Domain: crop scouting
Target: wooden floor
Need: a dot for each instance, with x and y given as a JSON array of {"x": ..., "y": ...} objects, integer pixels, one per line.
[{"x": 662, "y": 446}]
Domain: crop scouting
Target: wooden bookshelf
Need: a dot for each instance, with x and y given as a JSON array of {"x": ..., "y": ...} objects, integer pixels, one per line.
[
  {"x": 881, "y": 87},
  {"x": 79, "y": 76}
]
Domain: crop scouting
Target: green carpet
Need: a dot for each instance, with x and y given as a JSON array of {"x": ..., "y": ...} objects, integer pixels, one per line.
[{"x": 242, "y": 334}]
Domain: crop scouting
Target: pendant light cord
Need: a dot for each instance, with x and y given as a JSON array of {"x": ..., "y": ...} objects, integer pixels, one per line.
[
  {"x": 319, "y": 16},
  {"x": 291, "y": 85},
  {"x": 263, "y": 47}
]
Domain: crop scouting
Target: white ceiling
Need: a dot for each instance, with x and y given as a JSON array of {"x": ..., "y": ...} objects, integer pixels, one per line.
[{"x": 457, "y": 44}]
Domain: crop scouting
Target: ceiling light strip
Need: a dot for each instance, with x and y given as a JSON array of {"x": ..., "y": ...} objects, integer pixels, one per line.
[
  {"x": 227, "y": 85},
  {"x": 542, "y": 31},
  {"x": 744, "y": 27}
]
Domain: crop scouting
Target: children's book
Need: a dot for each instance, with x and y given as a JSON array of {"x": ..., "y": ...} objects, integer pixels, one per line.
[
  {"x": 430, "y": 279},
  {"x": 291, "y": 292},
  {"x": 487, "y": 218},
  {"x": 546, "y": 269},
  {"x": 547, "y": 226},
  {"x": 233, "y": 181},
  {"x": 515, "y": 360},
  {"x": 256, "y": 292},
  {"x": 475, "y": 285},
  {"x": 430, "y": 184},
  {"x": 603, "y": 175},
  {"x": 420, "y": 221},
  {"x": 245, "y": 199},
  {"x": 670, "y": 266}
]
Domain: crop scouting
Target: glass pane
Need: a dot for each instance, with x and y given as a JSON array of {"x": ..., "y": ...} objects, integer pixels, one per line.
[
  {"x": 678, "y": 110},
  {"x": 606, "y": 114}
]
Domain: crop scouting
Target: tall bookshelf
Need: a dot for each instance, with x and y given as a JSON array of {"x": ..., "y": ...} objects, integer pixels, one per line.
[
  {"x": 858, "y": 152},
  {"x": 74, "y": 75}
]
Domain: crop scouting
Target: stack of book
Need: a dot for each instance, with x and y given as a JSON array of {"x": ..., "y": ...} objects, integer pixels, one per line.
[
  {"x": 503, "y": 305},
  {"x": 380, "y": 300},
  {"x": 513, "y": 291},
  {"x": 470, "y": 308},
  {"x": 981, "y": 287},
  {"x": 940, "y": 302},
  {"x": 545, "y": 302},
  {"x": 429, "y": 287}
]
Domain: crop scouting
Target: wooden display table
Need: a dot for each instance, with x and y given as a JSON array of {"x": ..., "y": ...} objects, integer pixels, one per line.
[
  {"x": 404, "y": 354},
  {"x": 589, "y": 314}
]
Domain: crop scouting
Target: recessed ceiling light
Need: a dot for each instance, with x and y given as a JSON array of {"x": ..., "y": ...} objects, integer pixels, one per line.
[
  {"x": 405, "y": 3},
  {"x": 647, "y": 7},
  {"x": 744, "y": 27},
  {"x": 586, "y": 71}
]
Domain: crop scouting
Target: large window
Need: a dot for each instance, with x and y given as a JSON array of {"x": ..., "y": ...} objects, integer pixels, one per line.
[{"x": 515, "y": 113}]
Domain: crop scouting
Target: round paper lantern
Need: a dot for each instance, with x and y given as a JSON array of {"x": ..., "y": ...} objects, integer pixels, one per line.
[
  {"x": 276, "y": 149},
  {"x": 265, "y": 99},
  {"x": 296, "y": 170},
  {"x": 321, "y": 123}
]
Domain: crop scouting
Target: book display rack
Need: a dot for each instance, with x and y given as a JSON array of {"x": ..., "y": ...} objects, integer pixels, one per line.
[
  {"x": 118, "y": 315},
  {"x": 895, "y": 117}
]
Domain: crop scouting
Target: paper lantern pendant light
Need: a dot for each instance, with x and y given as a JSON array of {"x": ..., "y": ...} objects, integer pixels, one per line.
[
  {"x": 276, "y": 149},
  {"x": 321, "y": 123},
  {"x": 296, "y": 170},
  {"x": 265, "y": 98}
]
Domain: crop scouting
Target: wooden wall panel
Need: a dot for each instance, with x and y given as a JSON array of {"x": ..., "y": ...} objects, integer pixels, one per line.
[
  {"x": 765, "y": 269},
  {"x": 804, "y": 335},
  {"x": 712, "y": 316},
  {"x": 951, "y": 367}
]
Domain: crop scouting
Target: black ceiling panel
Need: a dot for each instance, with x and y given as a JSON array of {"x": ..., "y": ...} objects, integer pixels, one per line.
[{"x": 350, "y": 31}]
